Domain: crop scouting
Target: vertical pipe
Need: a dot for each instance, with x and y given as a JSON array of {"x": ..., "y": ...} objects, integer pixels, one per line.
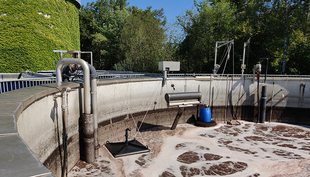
[
  {"x": 88, "y": 137},
  {"x": 7, "y": 86},
  {"x": 64, "y": 107},
  {"x": 87, "y": 118},
  {"x": 87, "y": 107},
  {"x": 91, "y": 58},
  {"x": 243, "y": 58},
  {"x": 258, "y": 105},
  {"x": 210, "y": 90},
  {"x": 215, "y": 58},
  {"x": 271, "y": 102},
  {"x": 94, "y": 107},
  {"x": 226, "y": 99},
  {"x": 264, "y": 101},
  {"x": 266, "y": 70},
  {"x": 165, "y": 77},
  {"x": 253, "y": 73}
]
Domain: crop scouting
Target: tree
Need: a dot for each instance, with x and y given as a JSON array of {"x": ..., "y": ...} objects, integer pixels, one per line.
[
  {"x": 279, "y": 30},
  {"x": 214, "y": 21},
  {"x": 101, "y": 24},
  {"x": 142, "y": 40}
]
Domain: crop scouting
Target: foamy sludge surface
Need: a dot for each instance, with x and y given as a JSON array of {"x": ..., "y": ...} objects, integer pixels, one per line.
[{"x": 249, "y": 149}]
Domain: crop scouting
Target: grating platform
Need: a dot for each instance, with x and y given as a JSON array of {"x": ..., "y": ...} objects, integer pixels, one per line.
[{"x": 120, "y": 149}]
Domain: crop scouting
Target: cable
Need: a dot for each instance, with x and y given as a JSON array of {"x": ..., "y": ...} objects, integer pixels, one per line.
[
  {"x": 223, "y": 55},
  {"x": 135, "y": 123},
  {"x": 138, "y": 128}
]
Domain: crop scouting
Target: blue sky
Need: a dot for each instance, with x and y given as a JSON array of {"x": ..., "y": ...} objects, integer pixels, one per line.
[{"x": 172, "y": 8}]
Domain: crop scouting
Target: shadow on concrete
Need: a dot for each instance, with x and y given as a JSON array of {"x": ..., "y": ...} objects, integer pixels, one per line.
[
  {"x": 144, "y": 127},
  {"x": 55, "y": 117}
]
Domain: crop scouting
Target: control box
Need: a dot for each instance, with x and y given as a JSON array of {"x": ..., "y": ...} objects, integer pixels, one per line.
[{"x": 169, "y": 66}]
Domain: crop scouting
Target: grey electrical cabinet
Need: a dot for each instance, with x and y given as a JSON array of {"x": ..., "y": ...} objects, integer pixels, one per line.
[{"x": 169, "y": 66}]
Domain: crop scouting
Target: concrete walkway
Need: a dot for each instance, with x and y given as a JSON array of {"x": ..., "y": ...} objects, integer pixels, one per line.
[{"x": 16, "y": 158}]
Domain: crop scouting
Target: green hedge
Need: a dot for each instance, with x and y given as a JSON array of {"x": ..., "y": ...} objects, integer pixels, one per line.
[{"x": 30, "y": 30}]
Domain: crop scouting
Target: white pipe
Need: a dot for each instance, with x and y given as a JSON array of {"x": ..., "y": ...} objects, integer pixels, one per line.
[
  {"x": 243, "y": 58},
  {"x": 214, "y": 72},
  {"x": 84, "y": 64}
]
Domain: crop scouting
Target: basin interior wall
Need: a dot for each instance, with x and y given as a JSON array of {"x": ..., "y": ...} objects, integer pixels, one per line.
[{"x": 123, "y": 103}]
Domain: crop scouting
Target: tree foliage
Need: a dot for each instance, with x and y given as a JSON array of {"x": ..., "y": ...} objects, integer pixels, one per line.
[
  {"x": 121, "y": 37},
  {"x": 212, "y": 22},
  {"x": 278, "y": 29},
  {"x": 101, "y": 23},
  {"x": 142, "y": 40},
  {"x": 128, "y": 38}
]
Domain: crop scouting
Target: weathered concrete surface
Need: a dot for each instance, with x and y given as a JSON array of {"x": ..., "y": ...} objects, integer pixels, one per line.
[
  {"x": 18, "y": 160},
  {"x": 16, "y": 127},
  {"x": 8, "y": 125},
  {"x": 41, "y": 127}
]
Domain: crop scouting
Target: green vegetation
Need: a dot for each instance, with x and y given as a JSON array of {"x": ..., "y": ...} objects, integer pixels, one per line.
[
  {"x": 279, "y": 30},
  {"x": 30, "y": 31},
  {"x": 123, "y": 38},
  {"x": 142, "y": 41},
  {"x": 127, "y": 38},
  {"x": 101, "y": 23}
]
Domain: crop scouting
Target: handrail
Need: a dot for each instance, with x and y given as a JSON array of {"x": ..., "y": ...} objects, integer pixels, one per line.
[
  {"x": 233, "y": 75},
  {"x": 14, "y": 84}
]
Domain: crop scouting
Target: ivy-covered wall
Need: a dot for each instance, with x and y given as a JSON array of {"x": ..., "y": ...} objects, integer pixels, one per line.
[{"x": 31, "y": 29}]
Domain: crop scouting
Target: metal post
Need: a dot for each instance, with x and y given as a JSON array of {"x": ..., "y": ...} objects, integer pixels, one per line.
[
  {"x": 226, "y": 99},
  {"x": 165, "y": 78},
  {"x": 243, "y": 58},
  {"x": 258, "y": 68},
  {"x": 263, "y": 107},
  {"x": 215, "y": 58},
  {"x": 266, "y": 68},
  {"x": 177, "y": 118},
  {"x": 210, "y": 90},
  {"x": 258, "y": 105},
  {"x": 271, "y": 102},
  {"x": 244, "y": 48}
]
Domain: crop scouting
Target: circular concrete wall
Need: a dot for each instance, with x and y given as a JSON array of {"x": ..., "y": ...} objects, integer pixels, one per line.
[{"x": 124, "y": 103}]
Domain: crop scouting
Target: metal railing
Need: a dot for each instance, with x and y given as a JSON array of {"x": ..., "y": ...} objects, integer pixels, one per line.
[
  {"x": 234, "y": 75},
  {"x": 115, "y": 76},
  {"x": 111, "y": 74},
  {"x": 9, "y": 85},
  {"x": 43, "y": 78}
]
